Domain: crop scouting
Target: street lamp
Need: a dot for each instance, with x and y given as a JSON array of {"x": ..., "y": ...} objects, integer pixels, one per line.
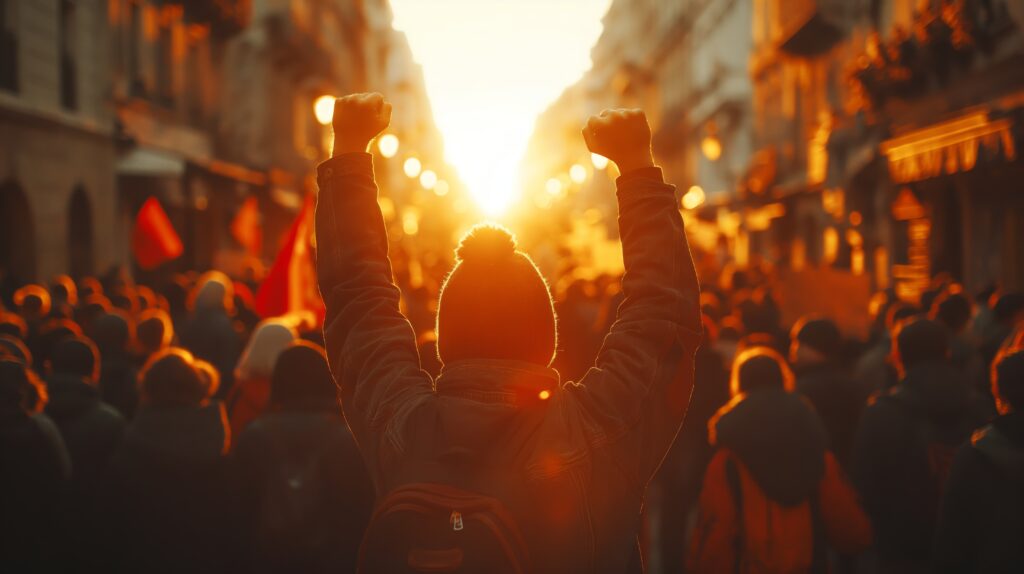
[
  {"x": 599, "y": 161},
  {"x": 577, "y": 173},
  {"x": 388, "y": 145},
  {"x": 428, "y": 179},
  {"x": 323, "y": 109},
  {"x": 412, "y": 167}
]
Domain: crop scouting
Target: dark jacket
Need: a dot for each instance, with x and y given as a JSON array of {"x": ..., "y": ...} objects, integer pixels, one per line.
[
  {"x": 167, "y": 492},
  {"x": 91, "y": 428},
  {"x": 315, "y": 445},
  {"x": 778, "y": 447},
  {"x": 119, "y": 382},
  {"x": 571, "y": 469},
  {"x": 35, "y": 470},
  {"x": 211, "y": 336},
  {"x": 898, "y": 458},
  {"x": 839, "y": 401},
  {"x": 981, "y": 527}
]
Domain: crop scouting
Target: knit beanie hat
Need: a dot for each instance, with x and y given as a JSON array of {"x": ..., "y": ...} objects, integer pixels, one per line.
[{"x": 495, "y": 304}]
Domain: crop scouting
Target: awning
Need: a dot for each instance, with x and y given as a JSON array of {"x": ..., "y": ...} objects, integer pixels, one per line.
[
  {"x": 146, "y": 162},
  {"x": 949, "y": 147}
]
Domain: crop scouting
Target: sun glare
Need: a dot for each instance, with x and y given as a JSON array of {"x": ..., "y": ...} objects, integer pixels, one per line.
[{"x": 491, "y": 66}]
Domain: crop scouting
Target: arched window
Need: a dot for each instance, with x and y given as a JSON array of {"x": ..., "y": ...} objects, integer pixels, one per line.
[
  {"x": 17, "y": 234},
  {"x": 80, "y": 235}
]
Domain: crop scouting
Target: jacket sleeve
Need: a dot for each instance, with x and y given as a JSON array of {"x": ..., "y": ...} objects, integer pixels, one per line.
[
  {"x": 713, "y": 540},
  {"x": 634, "y": 398},
  {"x": 846, "y": 525},
  {"x": 371, "y": 346}
]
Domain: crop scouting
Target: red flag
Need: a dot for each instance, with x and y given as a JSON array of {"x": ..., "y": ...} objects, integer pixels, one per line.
[
  {"x": 154, "y": 240},
  {"x": 290, "y": 285},
  {"x": 246, "y": 228}
]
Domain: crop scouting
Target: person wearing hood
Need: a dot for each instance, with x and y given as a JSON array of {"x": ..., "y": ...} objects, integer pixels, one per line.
[
  {"x": 814, "y": 351},
  {"x": 167, "y": 483},
  {"x": 775, "y": 498},
  {"x": 905, "y": 445},
  {"x": 251, "y": 393},
  {"x": 301, "y": 456},
  {"x": 209, "y": 332},
  {"x": 91, "y": 429},
  {"x": 981, "y": 524},
  {"x": 114, "y": 335}
]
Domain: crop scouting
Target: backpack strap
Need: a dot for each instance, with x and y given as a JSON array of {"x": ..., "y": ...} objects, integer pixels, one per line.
[{"x": 732, "y": 476}]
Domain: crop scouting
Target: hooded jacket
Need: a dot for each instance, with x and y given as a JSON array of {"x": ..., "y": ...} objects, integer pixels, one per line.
[
  {"x": 892, "y": 462},
  {"x": 167, "y": 491},
  {"x": 981, "y": 525},
  {"x": 210, "y": 334},
  {"x": 572, "y": 467},
  {"x": 778, "y": 447}
]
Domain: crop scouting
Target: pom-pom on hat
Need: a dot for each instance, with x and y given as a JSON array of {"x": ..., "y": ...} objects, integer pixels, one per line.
[{"x": 495, "y": 304}]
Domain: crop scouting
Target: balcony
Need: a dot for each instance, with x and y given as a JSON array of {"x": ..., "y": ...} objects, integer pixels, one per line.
[{"x": 809, "y": 27}]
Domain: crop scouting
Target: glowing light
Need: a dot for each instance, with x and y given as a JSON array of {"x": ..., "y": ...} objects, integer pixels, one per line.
[
  {"x": 441, "y": 189},
  {"x": 694, "y": 197},
  {"x": 412, "y": 167},
  {"x": 600, "y": 162},
  {"x": 856, "y": 218},
  {"x": 577, "y": 173},
  {"x": 410, "y": 221},
  {"x": 711, "y": 146},
  {"x": 486, "y": 97},
  {"x": 388, "y": 145},
  {"x": 553, "y": 186},
  {"x": 323, "y": 109},
  {"x": 428, "y": 179},
  {"x": 544, "y": 395}
]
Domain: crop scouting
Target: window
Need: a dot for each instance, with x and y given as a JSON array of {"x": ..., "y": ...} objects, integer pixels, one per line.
[
  {"x": 67, "y": 53},
  {"x": 8, "y": 47}
]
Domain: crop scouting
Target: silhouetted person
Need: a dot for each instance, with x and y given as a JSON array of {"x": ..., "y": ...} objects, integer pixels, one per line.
[
  {"x": 814, "y": 352},
  {"x": 981, "y": 525},
  {"x": 208, "y": 332},
  {"x": 114, "y": 337},
  {"x": 154, "y": 332},
  {"x": 559, "y": 470},
  {"x": 775, "y": 498},
  {"x": 302, "y": 487},
  {"x": 34, "y": 469},
  {"x": 167, "y": 480},
  {"x": 251, "y": 393},
  {"x": 91, "y": 429},
  {"x": 954, "y": 311},
  {"x": 905, "y": 443}
]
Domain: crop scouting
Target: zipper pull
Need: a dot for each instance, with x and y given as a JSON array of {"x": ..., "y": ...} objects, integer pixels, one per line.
[{"x": 456, "y": 520}]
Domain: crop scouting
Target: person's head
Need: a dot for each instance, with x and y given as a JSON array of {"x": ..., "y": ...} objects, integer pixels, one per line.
[
  {"x": 213, "y": 291},
  {"x": 76, "y": 356},
  {"x": 13, "y": 325},
  {"x": 15, "y": 349},
  {"x": 20, "y": 388},
  {"x": 154, "y": 330},
  {"x": 814, "y": 340},
  {"x": 89, "y": 286},
  {"x": 919, "y": 341},
  {"x": 114, "y": 332},
  {"x": 952, "y": 310},
  {"x": 170, "y": 378},
  {"x": 1009, "y": 308},
  {"x": 268, "y": 340},
  {"x": 63, "y": 290},
  {"x": 495, "y": 304},
  {"x": 760, "y": 368},
  {"x": 1008, "y": 380},
  {"x": 52, "y": 332},
  {"x": 302, "y": 377},
  {"x": 897, "y": 313},
  {"x": 33, "y": 301}
]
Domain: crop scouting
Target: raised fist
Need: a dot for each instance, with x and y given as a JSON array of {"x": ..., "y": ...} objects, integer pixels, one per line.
[
  {"x": 621, "y": 135},
  {"x": 358, "y": 118}
]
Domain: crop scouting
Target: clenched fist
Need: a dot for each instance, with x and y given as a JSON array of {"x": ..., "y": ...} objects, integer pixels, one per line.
[
  {"x": 621, "y": 135},
  {"x": 358, "y": 118}
]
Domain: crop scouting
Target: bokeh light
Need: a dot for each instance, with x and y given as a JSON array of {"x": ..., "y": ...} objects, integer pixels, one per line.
[
  {"x": 428, "y": 179},
  {"x": 553, "y": 186},
  {"x": 388, "y": 145},
  {"x": 412, "y": 167},
  {"x": 323, "y": 109},
  {"x": 441, "y": 189},
  {"x": 694, "y": 197},
  {"x": 600, "y": 162},
  {"x": 577, "y": 173}
]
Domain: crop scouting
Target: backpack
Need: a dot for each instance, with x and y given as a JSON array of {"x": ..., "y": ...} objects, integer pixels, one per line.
[
  {"x": 775, "y": 538},
  {"x": 291, "y": 515},
  {"x": 429, "y": 527}
]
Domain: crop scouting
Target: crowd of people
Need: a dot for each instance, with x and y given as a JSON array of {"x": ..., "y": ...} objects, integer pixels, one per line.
[{"x": 167, "y": 428}]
